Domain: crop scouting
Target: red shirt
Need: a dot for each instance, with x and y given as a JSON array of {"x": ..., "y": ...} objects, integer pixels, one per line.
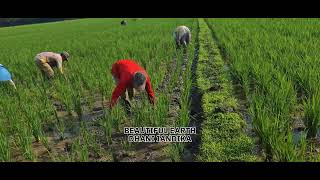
[{"x": 124, "y": 70}]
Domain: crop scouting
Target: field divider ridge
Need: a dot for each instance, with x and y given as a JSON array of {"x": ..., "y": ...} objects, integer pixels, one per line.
[{"x": 224, "y": 136}]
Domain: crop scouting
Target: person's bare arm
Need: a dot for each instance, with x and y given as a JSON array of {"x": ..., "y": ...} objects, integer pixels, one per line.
[{"x": 59, "y": 63}]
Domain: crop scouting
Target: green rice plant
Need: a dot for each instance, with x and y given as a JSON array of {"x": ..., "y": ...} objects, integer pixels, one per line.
[
  {"x": 77, "y": 95},
  {"x": 90, "y": 138},
  {"x": 116, "y": 116},
  {"x": 175, "y": 150},
  {"x": 60, "y": 126},
  {"x": 302, "y": 148},
  {"x": 262, "y": 125},
  {"x": 106, "y": 123},
  {"x": 79, "y": 152},
  {"x": 183, "y": 119},
  {"x": 158, "y": 116},
  {"x": 86, "y": 143},
  {"x": 5, "y": 153},
  {"x": 141, "y": 113},
  {"x": 104, "y": 91},
  {"x": 34, "y": 122},
  {"x": 45, "y": 142},
  {"x": 312, "y": 115},
  {"x": 126, "y": 145},
  {"x": 278, "y": 58},
  {"x": 84, "y": 153},
  {"x": 77, "y": 105},
  {"x": 94, "y": 143},
  {"x": 65, "y": 96},
  {"x": 12, "y": 118},
  {"x": 25, "y": 142},
  {"x": 276, "y": 138},
  {"x": 61, "y": 158},
  {"x": 284, "y": 149}
]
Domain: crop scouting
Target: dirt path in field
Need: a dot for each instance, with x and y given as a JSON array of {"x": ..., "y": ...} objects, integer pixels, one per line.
[
  {"x": 239, "y": 94},
  {"x": 196, "y": 111},
  {"x": 167, "y": 78},
  {"x": 174, "y": 107}
]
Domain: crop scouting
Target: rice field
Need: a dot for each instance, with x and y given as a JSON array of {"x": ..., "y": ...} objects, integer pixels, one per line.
[
  {"x": 275, "y": 61},
  {"x": 250, "y": 86}
]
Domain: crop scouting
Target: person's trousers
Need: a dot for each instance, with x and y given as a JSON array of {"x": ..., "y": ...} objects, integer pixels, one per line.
[
  {"x": 184, "y": 40},
  {"x": 45, "y": 68}
]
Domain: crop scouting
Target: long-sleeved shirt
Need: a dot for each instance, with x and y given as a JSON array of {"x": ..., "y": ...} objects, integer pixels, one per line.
[
  {"x": 124, "y": 71},
  {"x": 53, "y": 59}
]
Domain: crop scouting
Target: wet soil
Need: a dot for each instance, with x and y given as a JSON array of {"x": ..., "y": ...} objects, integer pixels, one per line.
[{"x": 196, "y": 114}]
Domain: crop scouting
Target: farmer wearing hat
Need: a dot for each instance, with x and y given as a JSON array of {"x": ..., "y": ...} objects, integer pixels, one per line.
[
  {"x": 47, "y": 60},
  {"x": 182, "y": 36},
  {"x": 130, "y": 76},
  {"x": 6, "y": 76}
]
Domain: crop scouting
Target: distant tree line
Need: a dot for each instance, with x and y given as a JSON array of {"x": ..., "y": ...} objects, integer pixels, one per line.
[{"x": 20, "y": 21}]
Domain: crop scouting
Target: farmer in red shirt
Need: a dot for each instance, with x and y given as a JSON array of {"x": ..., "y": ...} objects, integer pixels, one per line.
[{"x": 129, "y": 76}]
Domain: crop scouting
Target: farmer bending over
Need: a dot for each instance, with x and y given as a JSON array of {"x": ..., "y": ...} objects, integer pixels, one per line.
[
  {"x": 182, "y": 36},
  {"x": 130, "y": 76},
  {"x": 6, "y": 76},
  {"x": 47, "y": 60}
]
